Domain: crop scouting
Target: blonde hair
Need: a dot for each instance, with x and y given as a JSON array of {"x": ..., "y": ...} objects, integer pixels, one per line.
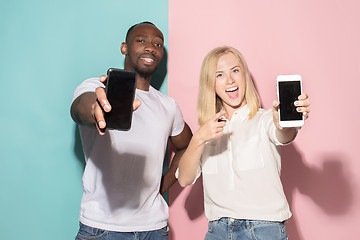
[{"x": 208, "y": 102}]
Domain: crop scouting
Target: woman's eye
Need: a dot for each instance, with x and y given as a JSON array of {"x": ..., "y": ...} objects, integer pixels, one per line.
[
  {"x": 219, "y": 75},
  {"x": 236, "y": 70}
]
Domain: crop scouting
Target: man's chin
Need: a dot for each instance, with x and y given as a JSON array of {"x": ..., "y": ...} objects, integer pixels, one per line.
[{"x": 146, "y": 72}]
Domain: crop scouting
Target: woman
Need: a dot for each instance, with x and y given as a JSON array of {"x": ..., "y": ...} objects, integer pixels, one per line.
[{"x": 237, "y": 151}]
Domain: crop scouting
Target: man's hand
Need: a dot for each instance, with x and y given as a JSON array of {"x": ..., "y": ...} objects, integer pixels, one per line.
[{"x": 102, "y": 104}]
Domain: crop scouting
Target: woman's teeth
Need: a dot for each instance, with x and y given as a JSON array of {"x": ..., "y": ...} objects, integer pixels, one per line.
[{"x": 231, "y": 89}]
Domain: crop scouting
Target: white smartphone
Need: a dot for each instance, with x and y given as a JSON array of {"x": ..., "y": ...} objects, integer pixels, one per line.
[{"x": 289, "y": 88}]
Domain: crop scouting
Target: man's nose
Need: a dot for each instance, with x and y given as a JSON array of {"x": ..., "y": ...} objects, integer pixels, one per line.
[{"x": 149, "y": 47}]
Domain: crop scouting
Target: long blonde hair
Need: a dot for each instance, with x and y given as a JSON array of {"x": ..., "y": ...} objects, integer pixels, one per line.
[{"x": 208, "y": 102}]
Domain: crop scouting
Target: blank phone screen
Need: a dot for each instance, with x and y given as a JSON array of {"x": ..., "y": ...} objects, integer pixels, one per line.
[
  {"x": 289, "y": 91},
  {"x": 120, "y": 91}
]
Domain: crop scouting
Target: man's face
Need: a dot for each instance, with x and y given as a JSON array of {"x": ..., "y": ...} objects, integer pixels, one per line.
[{"x": 144, "y": 49}]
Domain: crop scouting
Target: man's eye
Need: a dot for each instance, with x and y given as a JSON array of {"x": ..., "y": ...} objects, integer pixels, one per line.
[
  {"x": 158, "y": 45},
  {"x": 140, "y": 40}
]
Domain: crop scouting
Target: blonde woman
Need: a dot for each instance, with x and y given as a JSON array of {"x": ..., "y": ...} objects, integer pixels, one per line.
[{"x": 236, "y": 149}]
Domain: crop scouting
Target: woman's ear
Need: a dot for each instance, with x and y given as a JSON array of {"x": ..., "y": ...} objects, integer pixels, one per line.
[{"x": 123, "y": 48}]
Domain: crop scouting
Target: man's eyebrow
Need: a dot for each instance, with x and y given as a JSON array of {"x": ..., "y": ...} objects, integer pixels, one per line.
[{"x": 146, "y": 36}]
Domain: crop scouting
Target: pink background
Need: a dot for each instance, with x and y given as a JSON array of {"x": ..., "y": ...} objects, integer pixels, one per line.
[{"x": 319, "y": 40}]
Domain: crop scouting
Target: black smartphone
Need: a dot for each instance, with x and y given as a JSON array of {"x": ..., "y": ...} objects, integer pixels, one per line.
[
  {"x": 289, "y": 89},
  {"x": 120, "y": 91}
]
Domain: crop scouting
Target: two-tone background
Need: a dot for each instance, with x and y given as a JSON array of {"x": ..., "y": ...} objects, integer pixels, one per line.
[{"x": 48, "y": 47}]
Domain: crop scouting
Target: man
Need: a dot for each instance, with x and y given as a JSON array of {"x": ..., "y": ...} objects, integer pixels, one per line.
[{"x": 122, "y": 178}]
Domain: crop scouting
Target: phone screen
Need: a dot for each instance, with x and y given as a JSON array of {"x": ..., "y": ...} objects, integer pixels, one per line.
[
  {"x": 289, "y": 91},
  {"x": 120, "y": 91}
]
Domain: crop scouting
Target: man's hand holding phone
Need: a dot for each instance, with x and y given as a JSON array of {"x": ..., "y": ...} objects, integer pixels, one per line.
[{"x": 102, "y": 105}]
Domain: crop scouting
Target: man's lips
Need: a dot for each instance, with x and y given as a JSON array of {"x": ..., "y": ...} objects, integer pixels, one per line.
[{"x": 148, "y": 59}]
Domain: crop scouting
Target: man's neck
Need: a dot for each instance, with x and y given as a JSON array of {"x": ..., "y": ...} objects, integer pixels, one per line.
[{"x": 143, "y": 83}]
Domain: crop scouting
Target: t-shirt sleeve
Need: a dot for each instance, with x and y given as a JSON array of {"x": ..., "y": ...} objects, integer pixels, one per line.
[
  {"x": 89, "y": 85},
  {"x": 178, "y": 124},
  {"x": 198, "y": 173}
]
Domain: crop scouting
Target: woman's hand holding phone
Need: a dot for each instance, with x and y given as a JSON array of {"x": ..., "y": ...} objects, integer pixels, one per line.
[{"x": 302, "y": 106}]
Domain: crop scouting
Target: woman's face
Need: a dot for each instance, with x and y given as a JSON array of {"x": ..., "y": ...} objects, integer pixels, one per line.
[{"x": 230, "y": 82}]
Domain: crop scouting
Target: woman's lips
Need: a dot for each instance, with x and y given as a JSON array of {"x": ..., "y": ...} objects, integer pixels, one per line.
[
  {"x": 232, "y": 89},
  {"x": 232, "y": 92}
]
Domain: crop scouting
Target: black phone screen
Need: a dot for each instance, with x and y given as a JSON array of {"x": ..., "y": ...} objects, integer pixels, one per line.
[
  {"x": 120, "y": 91},
  {"x": 289, "y": 91}
]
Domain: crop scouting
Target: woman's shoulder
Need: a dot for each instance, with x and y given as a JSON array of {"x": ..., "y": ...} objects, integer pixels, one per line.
[{"x": 263, "y": 112}]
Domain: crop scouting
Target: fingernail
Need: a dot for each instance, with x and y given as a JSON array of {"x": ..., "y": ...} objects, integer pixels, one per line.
[
  {"x": 296, "y": 103},
  {"x": 101, "y": 124},
  {"x": 298, "y": 109},
  {"x": 106, "y": 107}
]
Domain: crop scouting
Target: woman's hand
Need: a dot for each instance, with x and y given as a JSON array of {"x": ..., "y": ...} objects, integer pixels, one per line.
[
  {"x": 302, "y": 106},
  {"x": 211, "y": 130},
  {"x": 286, "y": 135}
]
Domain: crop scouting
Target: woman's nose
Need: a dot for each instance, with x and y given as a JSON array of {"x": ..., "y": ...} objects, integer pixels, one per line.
[{"x": 229, "y": 80}]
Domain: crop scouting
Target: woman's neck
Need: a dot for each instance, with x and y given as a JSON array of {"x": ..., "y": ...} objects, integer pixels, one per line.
[{"x": 229, "y": 110}]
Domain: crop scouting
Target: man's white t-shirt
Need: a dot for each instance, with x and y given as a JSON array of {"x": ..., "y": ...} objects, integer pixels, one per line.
[{"x": 123, "y": 168}]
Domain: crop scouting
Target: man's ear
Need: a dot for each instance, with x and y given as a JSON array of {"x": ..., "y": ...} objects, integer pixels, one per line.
[{"x": 124, "y": 48}]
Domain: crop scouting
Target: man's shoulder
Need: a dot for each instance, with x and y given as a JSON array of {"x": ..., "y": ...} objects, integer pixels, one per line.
[
  {"x": 161, "y": 96},
  {"x": 88, "y": 85}
]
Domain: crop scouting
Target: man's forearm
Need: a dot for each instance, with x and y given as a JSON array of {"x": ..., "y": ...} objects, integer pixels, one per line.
[
  {"x": 169, "y": 177},
  {"x": 81, "y": 109}
]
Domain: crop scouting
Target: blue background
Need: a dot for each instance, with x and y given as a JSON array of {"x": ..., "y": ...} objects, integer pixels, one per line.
[{"x": 47, "y": 48}]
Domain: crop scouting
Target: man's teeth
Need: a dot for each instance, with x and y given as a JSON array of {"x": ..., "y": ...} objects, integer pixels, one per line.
[
  {"x": 231, "y": 89},
  {"x": 148, "y": 59}
]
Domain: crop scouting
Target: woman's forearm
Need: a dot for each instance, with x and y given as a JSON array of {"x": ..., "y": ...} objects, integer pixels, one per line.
[{"x": 190, "y": 160}]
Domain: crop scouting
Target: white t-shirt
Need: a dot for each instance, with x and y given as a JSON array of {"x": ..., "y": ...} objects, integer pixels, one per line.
[
  {"x": 241, "y": 170},
  {"x": 123, "y": 168}
]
